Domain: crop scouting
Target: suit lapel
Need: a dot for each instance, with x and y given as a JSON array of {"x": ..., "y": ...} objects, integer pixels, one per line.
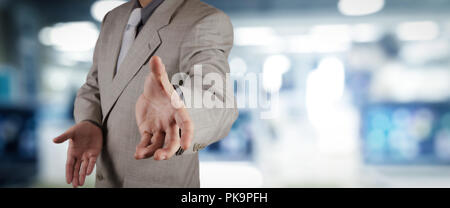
[{"x": 146, "y": 43}]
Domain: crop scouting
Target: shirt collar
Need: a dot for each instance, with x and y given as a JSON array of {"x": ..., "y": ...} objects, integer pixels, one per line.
[{"x": 148, "y": 10}]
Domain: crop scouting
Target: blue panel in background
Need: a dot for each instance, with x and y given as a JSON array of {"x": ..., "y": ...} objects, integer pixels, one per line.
[
  {"x": 237, "y": 146},
  {"x": 5, "y": 85},
  {"x": 413, "y": 133},
  {"x": 18, "y": 146}
]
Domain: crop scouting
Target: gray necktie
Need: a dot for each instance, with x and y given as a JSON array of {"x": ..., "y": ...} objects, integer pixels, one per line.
[{"x": 129, "y": 35}]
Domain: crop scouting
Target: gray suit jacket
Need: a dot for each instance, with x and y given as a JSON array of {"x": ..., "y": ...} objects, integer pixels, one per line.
[{"x": 183, "y": 33}]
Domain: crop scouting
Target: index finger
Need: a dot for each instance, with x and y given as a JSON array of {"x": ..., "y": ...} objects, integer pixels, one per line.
[{"x": 187, "y": 127}]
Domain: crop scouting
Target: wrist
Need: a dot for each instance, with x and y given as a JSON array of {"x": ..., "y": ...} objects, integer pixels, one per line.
[{"x": 92, "y": 122}]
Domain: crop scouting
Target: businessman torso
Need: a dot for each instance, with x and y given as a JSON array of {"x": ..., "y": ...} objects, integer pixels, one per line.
[{"x": 172, "y": 34}]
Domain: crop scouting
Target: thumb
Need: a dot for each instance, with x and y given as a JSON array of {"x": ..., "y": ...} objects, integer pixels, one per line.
[
  {"x": 63, "y": 137},
  {"x": 157, "y": 66}
]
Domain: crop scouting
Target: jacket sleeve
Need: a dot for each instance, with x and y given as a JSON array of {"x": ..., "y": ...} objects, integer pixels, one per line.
[
  {"x": 204, "y": 55},
  {"x": 87, "y": 103}
]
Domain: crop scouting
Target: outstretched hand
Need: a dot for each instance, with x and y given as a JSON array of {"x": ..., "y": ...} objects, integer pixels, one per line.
[
  {"x": 160, "y": 115},
  {"x": 85, "y": 144}
]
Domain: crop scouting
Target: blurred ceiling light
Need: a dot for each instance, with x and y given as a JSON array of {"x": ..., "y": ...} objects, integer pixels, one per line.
[
  {"x": 360, "y": 7},
  {"x": 400, "y": 84},
  {"x": 300, "y": 44},
  {"x": 324, "y": 87},
  {"x": 423, "y": 30},
  {"x": 321, "y": 39},
  {"x": 326, "y": 84},
  {"x": 334, "y": 121},
  {"x": 255, "y": 36},
  {"x": 315, "y": 44},
  {"x": 274, "y": 68},
  {"x": 238, "y": 66},
  {"x": 339, "y": 32},
  {"x": 73, "y": 36},
  {"x": 364, "y": 33},
  {"x": 44, "y": 36},
  {"x": 100, "y": 8},
  {"x": 421, "y": 53},
  {"x": 330, "y": 38}
]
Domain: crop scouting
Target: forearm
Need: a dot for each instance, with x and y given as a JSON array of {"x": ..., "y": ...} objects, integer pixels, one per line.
[
  {"x": 218, "y": 127},
  {"x": 87, "y": 107},
  {"x": 208, "y": 94},
  {"x": 212, "y": 111}
]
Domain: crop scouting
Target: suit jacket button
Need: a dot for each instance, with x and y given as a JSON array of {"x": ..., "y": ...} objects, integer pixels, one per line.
[{"x": 99, "y": 177}]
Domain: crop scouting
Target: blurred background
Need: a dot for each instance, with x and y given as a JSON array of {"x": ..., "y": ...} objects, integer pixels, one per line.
[{"x": 364, "y": 92}]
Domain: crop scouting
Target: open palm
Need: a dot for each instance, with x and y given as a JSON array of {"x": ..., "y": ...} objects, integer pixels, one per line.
[
  {"x": 160, "y": 114},
  {"x": 85, "y": 144}
]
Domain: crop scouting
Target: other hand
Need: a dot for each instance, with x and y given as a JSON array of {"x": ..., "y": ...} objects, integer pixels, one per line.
[{"x": 85, "y": 144}]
